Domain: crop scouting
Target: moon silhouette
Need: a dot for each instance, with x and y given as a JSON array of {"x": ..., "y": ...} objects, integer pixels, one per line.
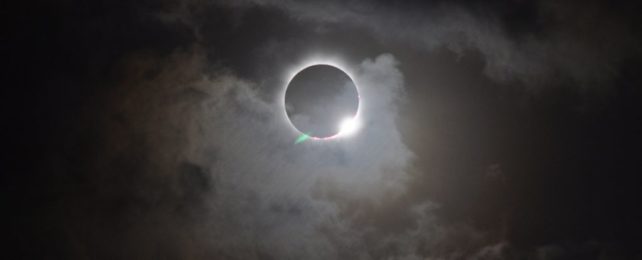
[{"x": 322, "y": 101}]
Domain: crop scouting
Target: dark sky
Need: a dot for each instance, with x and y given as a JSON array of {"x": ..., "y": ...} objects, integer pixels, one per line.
[{"x": 155, "y": 130}]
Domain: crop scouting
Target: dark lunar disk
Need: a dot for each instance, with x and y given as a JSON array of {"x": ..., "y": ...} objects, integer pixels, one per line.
[{"x": 318, "y": 98}]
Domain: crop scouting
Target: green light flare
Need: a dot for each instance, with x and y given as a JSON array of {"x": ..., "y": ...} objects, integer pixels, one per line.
[{"x": 302, "y": 138}]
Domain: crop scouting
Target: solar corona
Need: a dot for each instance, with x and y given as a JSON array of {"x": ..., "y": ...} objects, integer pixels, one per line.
[{"x": 322, "y": 103}]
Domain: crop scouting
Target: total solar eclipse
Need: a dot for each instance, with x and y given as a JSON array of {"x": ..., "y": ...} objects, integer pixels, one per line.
[{"x": 322, "y": 102}]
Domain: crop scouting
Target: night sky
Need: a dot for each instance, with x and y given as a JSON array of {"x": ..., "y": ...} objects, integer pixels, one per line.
[{"x": 157, "y": 130}]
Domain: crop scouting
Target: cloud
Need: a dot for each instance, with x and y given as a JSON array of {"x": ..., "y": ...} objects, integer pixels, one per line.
[
  {"x": 189, "y": 155},
  {"x": 272, "y": 189},
  {"x": 215, "y": 164},
  {"x": 568, "y": 42},
  {"x": 196, "y": 161},
  {"x": 209, "y": 168}
]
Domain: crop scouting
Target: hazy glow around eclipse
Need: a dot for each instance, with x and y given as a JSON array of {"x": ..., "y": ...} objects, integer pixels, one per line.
[{"x": 347, "y": 126}]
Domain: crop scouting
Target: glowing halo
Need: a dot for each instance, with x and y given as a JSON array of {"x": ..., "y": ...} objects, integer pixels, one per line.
[{"x": 347, "y": 126}]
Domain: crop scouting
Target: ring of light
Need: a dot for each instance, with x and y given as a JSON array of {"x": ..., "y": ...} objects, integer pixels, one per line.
[{"x": 348, "y": 126}]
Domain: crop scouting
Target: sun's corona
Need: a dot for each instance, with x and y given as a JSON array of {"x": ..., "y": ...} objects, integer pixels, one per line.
[{"x": 321, "y": 102}]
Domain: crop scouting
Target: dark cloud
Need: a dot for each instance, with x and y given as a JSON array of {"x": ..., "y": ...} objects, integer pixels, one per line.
[{"x": 527, "y": 42}]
